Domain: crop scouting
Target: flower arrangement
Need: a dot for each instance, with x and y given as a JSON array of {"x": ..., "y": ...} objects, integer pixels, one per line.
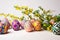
[
  {"x": 32, "y": 20},
  {"x": 44, "y": 16}
]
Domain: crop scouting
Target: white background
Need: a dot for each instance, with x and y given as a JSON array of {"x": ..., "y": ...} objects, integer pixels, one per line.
[{"x": 7, "y": 6}]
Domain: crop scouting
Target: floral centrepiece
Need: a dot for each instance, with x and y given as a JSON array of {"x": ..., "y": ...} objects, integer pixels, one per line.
[
  {"x": 32, "y": 20},
  {"x": 46, "y": 20}
]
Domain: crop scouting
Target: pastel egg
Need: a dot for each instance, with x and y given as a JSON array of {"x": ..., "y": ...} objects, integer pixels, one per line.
[
  {"x": 22, "y": 24},
  {"x": 37, "y": 25},
  {"x": 28, "y": 26},
  {"x": 0, "y": 27},
  {"x": 16, "y": 25},
  {"x": 3, "y": 28},
  {"x": 56, "y": 28},
  {"x": 5, "y": 21},
  {"x": 32, "y": 20}
]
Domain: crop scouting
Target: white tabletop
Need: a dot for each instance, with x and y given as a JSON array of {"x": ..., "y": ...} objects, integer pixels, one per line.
[{"x": 23, "y": 35}]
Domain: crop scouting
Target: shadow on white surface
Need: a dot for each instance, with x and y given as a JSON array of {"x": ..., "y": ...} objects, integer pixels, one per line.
[{"x": 23, "y": 35}]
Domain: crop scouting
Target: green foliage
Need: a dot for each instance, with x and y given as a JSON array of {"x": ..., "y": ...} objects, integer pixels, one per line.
[
  {"x": 36, "y": 13},
  {"x": 58, "y": 18},
  {"x": 21, "y": 18},
  {"x": 41, "y": 13}
]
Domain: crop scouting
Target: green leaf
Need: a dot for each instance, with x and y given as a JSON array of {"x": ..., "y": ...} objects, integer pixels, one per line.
[{"x": 41, "y": 8}]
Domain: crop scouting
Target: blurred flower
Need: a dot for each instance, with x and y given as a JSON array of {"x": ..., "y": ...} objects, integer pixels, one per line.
[
  {"x": 26, "y": 12},
  {"x": 24, "y": 7},
  {"x": 30, "y": 10},
  {"x": 21, "y": 18},
  {"x": 17, "y": 8}
]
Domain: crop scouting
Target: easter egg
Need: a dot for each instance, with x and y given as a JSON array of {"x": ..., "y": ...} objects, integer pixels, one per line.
[
  {"x": 5, "y": 21},
  {"x": 56, "y": 28},
  {"x": 32, "y": 20},
  {"x": 0, "y": 27},
  {"x": 28, "y": 26},
  {"x": 22, "y": 24},
  {"x": 16, "y": 25},
  {"x": 37, "y": 25},
  {"x": 3, "y": 28}
]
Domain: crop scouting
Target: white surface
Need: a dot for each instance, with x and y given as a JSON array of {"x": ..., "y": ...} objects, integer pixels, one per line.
[
  {"x": 7, "y": 6},
  {"x": 23, "y": 35}
]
